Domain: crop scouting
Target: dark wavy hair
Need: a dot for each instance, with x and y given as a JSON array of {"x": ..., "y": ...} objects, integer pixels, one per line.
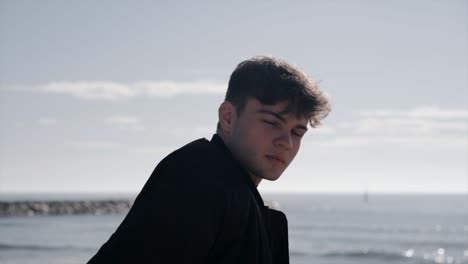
[{"x": 271, "y": 80}]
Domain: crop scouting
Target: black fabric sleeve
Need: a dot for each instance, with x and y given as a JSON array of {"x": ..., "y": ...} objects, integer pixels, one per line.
[
  {"x": 175, "y": 219},
  {"x": 278, "y": 230}
]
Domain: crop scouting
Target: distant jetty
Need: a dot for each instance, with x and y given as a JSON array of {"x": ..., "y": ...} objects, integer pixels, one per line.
[
  {"x": 32, "y": 208},
  {"x": 79, "y": 207}
]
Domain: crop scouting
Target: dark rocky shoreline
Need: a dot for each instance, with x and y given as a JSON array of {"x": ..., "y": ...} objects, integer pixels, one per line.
[
  {"x": 92, "y": 207},
  {"x": 77, "y": 207}
]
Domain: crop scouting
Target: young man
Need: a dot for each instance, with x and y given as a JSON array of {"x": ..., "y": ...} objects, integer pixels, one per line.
[{"x": 201, "y": 203}]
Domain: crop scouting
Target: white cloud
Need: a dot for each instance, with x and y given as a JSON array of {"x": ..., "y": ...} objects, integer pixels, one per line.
[
  {"x": 125, "y": 122},
  {"x": 407, "y": 126},
  {"x": 111, "y": 91},
  {"x": 416, "y": 121},
  {"x": 418, "y": 112},
  {"x": 420, "y": 142},
  {"x": 91, "y": 90},
  {"x": 421, "y": 127},
  {"x": 171, "y": 88},
  {"x": 46, "y": 121},
  {"x": 436, "y": 112}
]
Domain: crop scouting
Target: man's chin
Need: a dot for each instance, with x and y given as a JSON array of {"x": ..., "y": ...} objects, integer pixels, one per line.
[
  {"x": 272, "y": 177},
  {"x": 260, "y": 177}
]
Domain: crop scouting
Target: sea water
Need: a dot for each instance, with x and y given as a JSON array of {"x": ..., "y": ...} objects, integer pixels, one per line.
[{"x": 329, "y": 229}]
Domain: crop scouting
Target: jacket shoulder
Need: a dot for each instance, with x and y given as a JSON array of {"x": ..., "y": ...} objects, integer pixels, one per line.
[
  {"x": 200, "y": 164},
  {"x": 277, "y": 214}
]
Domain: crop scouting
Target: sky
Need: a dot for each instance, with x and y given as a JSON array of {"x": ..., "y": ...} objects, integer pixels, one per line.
[{"x": 94, "y": 94}]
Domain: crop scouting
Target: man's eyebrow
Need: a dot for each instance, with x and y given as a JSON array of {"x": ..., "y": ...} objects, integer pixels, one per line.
[
  {"x": 280, "y": 117},
  {"x": 268, "y": 112}
]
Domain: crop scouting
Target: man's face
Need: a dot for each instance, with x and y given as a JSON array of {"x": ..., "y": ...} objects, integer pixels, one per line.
[{"x": 265, "y": 139}]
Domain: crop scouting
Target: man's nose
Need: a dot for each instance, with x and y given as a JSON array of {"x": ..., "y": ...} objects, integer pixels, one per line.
[{"x": 284, "y": 141}]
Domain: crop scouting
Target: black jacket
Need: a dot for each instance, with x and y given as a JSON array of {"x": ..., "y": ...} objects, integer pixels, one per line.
[{"x": 199, "y": 206}]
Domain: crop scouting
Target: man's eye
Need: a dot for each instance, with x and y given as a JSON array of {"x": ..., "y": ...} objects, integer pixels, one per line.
[
  {"x": 273, "y": 123},
  {"x": 297, "y": 134}
]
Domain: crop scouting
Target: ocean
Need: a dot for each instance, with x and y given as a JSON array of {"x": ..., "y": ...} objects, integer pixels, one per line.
[{"x": 323, "y": 228}]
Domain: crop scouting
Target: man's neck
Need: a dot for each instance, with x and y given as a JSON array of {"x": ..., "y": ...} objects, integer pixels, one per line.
[{"x": 256, "y": 180}]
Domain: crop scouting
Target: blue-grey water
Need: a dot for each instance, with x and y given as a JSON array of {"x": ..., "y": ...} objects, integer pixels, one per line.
[{"x": 322, "y": 229}]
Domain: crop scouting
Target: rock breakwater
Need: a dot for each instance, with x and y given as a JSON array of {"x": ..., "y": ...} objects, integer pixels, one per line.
[{"x": 31, "y": 208}]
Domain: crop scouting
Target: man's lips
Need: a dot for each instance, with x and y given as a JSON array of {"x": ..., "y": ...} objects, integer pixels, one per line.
[{"x": 275, "y": 157}]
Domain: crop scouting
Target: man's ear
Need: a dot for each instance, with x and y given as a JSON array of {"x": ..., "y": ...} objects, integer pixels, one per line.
[{"x": 226, "y": 115}]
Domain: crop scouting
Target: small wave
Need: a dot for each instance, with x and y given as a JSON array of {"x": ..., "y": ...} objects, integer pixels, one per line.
[
  {"x": 366, "y": 254},
  {"x": 11, "y": 224},
  {"x": 438, "y": 256},
  {"x": 40, "y": 248}
]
